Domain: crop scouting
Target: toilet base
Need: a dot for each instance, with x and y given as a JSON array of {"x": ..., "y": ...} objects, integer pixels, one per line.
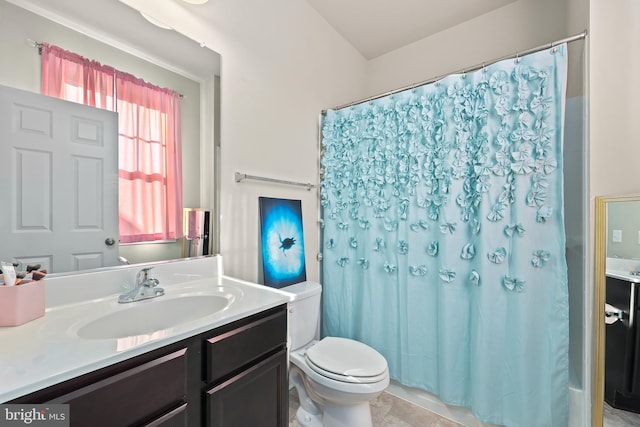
[
  {"x": 337, "y": 416},
  {"x": 305, "y": 419},
  {"x": 347, "y": 415}
]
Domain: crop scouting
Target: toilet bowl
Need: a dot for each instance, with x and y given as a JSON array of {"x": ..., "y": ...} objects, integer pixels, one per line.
[{"x": 335, "y": 377}]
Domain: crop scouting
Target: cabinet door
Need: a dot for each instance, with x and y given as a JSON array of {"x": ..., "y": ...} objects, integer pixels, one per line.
[
  {"x": 130, "y": 397},
  {"x": 620, "y": 340},
  {"x": 257, "y": 397}
]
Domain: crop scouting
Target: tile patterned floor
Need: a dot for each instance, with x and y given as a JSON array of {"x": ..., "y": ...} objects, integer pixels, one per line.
[
  {"x": 388, "y": 411},
  {"x": 618, "y": 418}
]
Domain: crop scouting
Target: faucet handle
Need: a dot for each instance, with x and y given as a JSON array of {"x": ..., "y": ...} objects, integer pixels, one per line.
[
  {"x": 150, "y": 281},
  {"x": 142, "y": 275}
]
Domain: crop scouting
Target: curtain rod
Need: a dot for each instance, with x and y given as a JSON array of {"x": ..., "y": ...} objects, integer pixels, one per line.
[
  {"x": 570, "y": 39},
  {"x": 242, "y": 176},
  {"x": 38, "y": 45}
]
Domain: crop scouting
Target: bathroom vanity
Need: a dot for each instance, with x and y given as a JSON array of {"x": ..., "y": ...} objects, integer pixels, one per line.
[
  {"x": 224, "y": 368},
  {"x": 622, "y": 350}
]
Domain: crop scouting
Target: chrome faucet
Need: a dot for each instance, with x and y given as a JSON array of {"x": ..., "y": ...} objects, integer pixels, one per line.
[{"x": 146, "y": 287}]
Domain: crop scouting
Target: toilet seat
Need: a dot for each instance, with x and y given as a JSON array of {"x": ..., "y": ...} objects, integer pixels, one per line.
[{"x": 346, "y": 360}]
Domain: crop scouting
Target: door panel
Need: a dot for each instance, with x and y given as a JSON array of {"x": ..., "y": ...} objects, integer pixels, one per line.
[
  {"x": 257, "y": 397},
  {"x": 60, "y": 181}
]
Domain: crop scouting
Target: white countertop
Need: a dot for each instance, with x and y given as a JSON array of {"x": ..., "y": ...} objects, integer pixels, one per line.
[
  {"x": 623, "y": 275},
  {"x": 47, "y": 350}
]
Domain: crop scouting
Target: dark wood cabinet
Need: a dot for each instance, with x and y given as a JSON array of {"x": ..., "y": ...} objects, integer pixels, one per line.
[
  {"x": 250, "y": 398},
  {"x": 234, "y": 375},
  {"x": 132, "y": 396},
  {"x": 234, "y": 347},
  {"x": 175, "y": 418},
  {"x": 622, "y": 348}
]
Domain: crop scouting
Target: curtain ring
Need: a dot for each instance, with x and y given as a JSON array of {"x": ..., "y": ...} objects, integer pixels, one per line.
[{"x": 517, "y": 61}]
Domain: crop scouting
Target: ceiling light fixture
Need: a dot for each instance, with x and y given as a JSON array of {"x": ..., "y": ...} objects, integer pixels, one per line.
[
  {"x": 195, "y": 1},
  {"x": 155, "y": 21}
]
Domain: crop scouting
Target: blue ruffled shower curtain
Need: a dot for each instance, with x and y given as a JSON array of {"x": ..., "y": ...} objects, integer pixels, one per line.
[{"x": 443, "y": 237}]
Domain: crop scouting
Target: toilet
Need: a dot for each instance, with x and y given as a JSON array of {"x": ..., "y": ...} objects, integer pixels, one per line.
[{"x": 335, "y": 377}]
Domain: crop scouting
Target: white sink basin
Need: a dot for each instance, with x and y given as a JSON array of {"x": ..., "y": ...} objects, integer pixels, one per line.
[{"x": 152, "y": 315}]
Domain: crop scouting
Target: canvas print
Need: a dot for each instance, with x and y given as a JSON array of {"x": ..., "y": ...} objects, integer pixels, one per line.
[{"x": 282, "y": 242}]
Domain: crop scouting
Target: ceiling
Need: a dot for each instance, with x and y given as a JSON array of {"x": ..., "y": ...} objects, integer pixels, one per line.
[
  {"x": 375, "y": 27},
  {"x": 163, "y": 47}
]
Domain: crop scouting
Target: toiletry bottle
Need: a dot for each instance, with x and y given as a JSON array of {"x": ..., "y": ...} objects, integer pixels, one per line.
[{"x": 9, "y": 273}]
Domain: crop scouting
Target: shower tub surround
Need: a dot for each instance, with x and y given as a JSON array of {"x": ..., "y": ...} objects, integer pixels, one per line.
[{"x": 50, "y": 350}]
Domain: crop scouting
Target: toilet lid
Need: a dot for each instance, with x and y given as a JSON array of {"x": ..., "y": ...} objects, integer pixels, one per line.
[{"x": 346, "y": 360}]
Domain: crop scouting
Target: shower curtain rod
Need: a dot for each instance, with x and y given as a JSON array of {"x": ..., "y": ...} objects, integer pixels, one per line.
[{"x": 570, "y": 39}]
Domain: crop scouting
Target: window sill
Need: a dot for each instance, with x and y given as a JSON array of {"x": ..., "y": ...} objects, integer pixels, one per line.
[{"x": 154, "y": 242}]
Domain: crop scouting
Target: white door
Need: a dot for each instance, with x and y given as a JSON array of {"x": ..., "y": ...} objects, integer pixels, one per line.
[{"x": 58, "y": 182}]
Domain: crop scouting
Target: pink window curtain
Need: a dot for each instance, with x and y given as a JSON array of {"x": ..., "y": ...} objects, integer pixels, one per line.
[
  {"x": 150, "y": 160},
  {"x": 70, "y": 76}
]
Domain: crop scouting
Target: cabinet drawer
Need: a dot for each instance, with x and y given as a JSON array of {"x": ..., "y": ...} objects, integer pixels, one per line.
[
  {"x": 130, "y": 397},
  {"x": 175, "y": 418},
  {"x": 231, "y": 350}
]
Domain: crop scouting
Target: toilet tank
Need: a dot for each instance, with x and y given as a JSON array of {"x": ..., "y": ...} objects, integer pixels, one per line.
[{"x": 304, "y": 312}]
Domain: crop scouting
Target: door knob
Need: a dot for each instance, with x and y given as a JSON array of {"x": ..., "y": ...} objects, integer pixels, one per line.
[{"x": 109, "y": 241}]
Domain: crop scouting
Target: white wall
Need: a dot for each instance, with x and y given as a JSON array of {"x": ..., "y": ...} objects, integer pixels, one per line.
[
  {"x": 625, "y": 218},
  {"x": 281, "y": 65},
  {"x": 518, "y": 26},
  {"x": 614, "y": 93},
  {"x": 275, "y": 81}
]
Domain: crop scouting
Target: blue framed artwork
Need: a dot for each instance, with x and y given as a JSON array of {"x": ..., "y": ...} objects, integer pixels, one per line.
[{"x": 282, "y": 242}]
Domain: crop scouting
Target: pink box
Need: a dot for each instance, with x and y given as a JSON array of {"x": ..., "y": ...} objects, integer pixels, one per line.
[{"x": 22, "y": 303}]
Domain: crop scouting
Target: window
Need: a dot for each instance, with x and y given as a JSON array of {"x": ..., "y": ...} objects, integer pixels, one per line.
[{"x": 149, "y": 147}]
